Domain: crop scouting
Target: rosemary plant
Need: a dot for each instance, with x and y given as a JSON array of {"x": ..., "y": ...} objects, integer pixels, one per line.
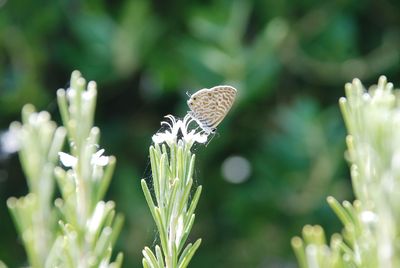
[
  {"x": 370, "y": 237},
  {"x": 39, "y": 140},
  {"x": 172, "y": 208},
  {"x": 87, "y": 226}
]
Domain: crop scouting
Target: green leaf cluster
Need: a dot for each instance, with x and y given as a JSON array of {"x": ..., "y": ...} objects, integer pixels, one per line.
[
  {"x": 172, "y": 206},
  {"x": 370, "y": 234},
  {"x": 80, "y": 229}
]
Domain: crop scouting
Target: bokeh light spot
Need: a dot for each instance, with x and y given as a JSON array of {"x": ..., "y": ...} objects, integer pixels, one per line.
[{"x": 236, "y": 169}]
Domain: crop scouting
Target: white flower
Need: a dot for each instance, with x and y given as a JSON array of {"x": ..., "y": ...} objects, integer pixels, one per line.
[
  {"x": 97, "y": 159},
  {"x": 192, "y": 136},
  {"x": 67, "y": 160},
  {"x": 9, "y": 140},
  {"x": 368, "y": 216},
  {"x": 170, "y": 135}
]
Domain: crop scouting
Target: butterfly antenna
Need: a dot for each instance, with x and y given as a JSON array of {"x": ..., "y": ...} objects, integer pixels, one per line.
[
  {"x": 188, "y": 94},
  {"x": 212, "y": 137}
]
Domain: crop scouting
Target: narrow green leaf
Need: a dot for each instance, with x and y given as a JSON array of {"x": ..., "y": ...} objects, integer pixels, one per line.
[
  {"x": 106, "y": 179},
  {"x": 186, "y": 231},
  {"x": 185, "y": 197},
  {"x": 145, "y": 263},
  {"x": 162, "y": 231},
  {"x": 188, "y": 256},
  {"x": 164, "y": 149},
  {"x": 179, "y": 164},
  {"x": 340, "y": 212},
  {"x": 118, "y": 261},
  {"x": 163, "y": 181},
  {"x": 172, "y": 161},
  {"x": 148, "y": 198},
  {"x": 57, "y": 144},
  {"x": 103, "y": 243},
  {"x": 150, "y": 257},
  {"x": 157, "y": 149},
  {"x": 63, "y": 107},
  {"x": 195, "y": 200},
  {"x": 155, "y": 163},
  {"x": 298, "y": 248},
  {"x": 184, "y": 252},
  {"x": 172, "y": 202},
  {"x": 189, "y": 175},
  {"x": 174, "y": 253},
  {"x": 117, "y": 227},
  {"x": 350, "y": 212},
  {"x": 160, "y": 257},
  {"x": 26, "y": 113}
]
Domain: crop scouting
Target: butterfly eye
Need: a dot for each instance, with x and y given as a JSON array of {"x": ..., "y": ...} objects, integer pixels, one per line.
[{"x": 194, "y": 98}]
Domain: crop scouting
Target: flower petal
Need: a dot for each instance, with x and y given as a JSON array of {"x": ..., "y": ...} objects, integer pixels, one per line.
[
  {"x": 67, "y": 160},
  {"x": 199, "y": 138},
  {"x": 159, "y": 138},
  {"x": 99, "y": 159},
  {"x": 9, "y": 140},
  {"x": 102, "y": 161}
]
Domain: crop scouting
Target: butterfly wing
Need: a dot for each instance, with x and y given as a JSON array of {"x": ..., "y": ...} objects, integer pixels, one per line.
[
  {"x": 224, "y": 97},
  {"x": 210, "y": 106}
]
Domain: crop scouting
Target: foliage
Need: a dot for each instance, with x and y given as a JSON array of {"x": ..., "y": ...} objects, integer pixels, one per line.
[
  {"x": 369, "y": 237},
  {"x": 87, "y": 226},
  {"x": 288, "y": 60},
  {"x": 173, "y": 207},
  {"x": 34, "y": 215}
]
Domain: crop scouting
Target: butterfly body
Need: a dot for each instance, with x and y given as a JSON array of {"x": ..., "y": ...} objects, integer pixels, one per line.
[{"x": 209, "y": 106}]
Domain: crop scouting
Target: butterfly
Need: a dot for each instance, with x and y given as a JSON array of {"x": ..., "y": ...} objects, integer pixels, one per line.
[{"x": 210, "y": 106}]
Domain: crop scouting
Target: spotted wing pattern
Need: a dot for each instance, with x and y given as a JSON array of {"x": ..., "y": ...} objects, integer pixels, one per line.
[{"x": 210, "y": 106}]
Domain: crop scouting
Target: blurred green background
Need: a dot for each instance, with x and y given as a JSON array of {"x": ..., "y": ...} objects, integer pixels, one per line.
[{"x": 289, "y": 61}]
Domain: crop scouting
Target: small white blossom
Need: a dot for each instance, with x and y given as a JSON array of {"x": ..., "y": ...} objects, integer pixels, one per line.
[
  {"x": 170, "y": 135},
  {"x": 97, "y": 159},
  {"x": 368, "y": 216},
  {"x": 67, "y": 160},
  {"x": 9, "y": 140},
  {"x": 192, "y": 136}
]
